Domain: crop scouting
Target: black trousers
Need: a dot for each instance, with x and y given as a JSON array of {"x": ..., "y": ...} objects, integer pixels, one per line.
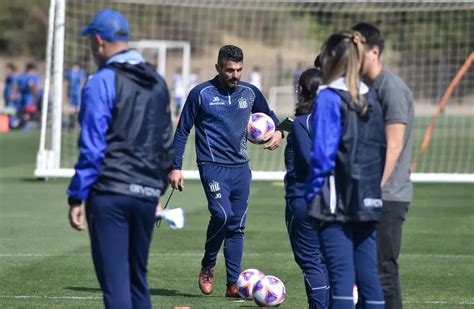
[{"x": 389, "y": 237}]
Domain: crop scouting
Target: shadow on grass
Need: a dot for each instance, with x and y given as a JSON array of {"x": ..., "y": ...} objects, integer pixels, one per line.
[
  {"x": 159, "y": 292},
  {"x": 43, "y": 179},
  {"x": 83, "y": 289},
  {"x": 32, "y": 179}
]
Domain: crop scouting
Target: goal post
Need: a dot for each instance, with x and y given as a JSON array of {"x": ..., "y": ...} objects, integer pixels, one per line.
[
  {"x": 426, "y": 43},
  {"x": 162, "y": 47},
  {"x": 49, "y": 157}
]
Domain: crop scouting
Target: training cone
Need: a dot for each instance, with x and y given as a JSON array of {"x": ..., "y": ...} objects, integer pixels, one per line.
[{"x": 4, "y": 126}]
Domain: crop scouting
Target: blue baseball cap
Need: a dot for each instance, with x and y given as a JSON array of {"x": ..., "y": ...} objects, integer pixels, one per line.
[{"x": 109, "y": 24}]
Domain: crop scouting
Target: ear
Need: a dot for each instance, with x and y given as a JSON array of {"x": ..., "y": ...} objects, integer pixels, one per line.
[
  {"x": 217, "y": 67},
  {"x": 99, "y": 39},
  {"x": 376, "y": 51}
]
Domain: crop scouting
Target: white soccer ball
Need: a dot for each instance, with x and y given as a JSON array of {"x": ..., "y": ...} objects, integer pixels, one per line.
[
  {"x": 260, "y": 128},
  {"x": 269, "y": 291},
  {"x": 247, "y": 280}
]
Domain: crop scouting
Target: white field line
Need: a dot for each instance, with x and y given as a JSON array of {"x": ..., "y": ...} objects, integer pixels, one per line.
[
  {"x": 198, "y": 254},
  {"x": 65, "y": 297},
  {"x": 51, "y": 297},
  {"x": 436, "y": 302}
]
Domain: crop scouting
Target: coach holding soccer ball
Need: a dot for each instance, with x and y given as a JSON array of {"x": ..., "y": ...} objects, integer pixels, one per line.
[
  {"x": 125, "y": 154},
  {"x": 220, "y": 109}
]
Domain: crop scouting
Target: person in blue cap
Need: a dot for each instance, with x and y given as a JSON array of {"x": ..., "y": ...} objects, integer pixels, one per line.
[{"x": 125, "y": 146}]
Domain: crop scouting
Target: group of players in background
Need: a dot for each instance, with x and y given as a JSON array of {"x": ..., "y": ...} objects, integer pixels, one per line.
[
  {"x": 347, "y": 185},
  {"x": 23, "y": 94}
]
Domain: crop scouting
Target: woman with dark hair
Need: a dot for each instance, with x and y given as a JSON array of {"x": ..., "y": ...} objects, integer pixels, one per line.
[
  {"x": 347, "y": 160},
  {"x": 303, "y": 237}
]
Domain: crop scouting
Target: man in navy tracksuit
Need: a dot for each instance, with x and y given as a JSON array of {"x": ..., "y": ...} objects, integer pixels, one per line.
[
  {"x": 125, "y": 154},
  {"x": 220, "y": 110}
]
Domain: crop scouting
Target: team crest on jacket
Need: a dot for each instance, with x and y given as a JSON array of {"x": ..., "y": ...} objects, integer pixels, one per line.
[
  {"x": 243, "y": 103},
  {"x": 214, "y": 186}
]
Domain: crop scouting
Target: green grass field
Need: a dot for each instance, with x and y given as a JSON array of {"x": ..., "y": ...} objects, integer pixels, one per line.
[{"x": 46, "y": 264}]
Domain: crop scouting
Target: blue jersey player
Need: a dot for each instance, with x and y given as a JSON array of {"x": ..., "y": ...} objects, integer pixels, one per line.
[
  {"x": 219, "y": 109},
  {"x": 10, "y": 93},
  {"x": 75, "y": 77},
  {"x": 28, "y": 85}
]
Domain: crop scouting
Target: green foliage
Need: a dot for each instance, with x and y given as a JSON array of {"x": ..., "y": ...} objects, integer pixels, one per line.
[{"x": 24, "y": 25}]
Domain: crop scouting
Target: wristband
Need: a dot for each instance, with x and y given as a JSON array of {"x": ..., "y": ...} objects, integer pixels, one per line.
[{"x": 74, "y": 201}]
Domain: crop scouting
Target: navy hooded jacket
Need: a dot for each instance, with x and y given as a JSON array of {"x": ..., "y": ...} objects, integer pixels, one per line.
[
  {"x": 125, "y": 142},
  {"x": 347, "y": 157}
]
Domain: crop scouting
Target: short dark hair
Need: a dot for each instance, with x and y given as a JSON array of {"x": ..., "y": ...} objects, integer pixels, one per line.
[
  {"x": 11, "y": 66},
  {"x": 372, "y": 35},
  {"x": 30, "y": 66},
  {"x": 230, "y": 53}
]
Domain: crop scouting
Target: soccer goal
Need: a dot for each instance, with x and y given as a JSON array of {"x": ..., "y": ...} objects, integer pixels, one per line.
[
  {"x": 161, "y": 48},
  {"x": 427, "y": 44}
]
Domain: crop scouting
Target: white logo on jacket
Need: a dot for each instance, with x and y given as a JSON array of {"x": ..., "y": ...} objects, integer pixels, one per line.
[
  {"x": 216, "y": 101},
  {"x": 373, "y": 202},
  {"x": 214, "y": 186},
  {"x": 147, "y": 191}
]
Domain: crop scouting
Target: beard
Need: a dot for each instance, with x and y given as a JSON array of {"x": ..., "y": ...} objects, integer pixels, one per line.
[{"x": 232, "y": 83}]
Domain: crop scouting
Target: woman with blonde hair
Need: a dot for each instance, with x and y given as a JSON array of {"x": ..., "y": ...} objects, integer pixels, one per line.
[{"x": 347, "y": 159}]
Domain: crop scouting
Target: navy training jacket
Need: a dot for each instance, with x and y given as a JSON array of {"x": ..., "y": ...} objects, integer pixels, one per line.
[
  {"x": 298, "y": 156},
  {"x": 126, "y": 131},
  {"x": 220, "y": 117}
]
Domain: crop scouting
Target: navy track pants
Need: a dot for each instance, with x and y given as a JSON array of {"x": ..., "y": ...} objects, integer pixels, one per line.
[
  {"x": 305, "y": 244},
  {"x": 349, "y": 251},
  {"x": 120, "y": 230},
  {"x": 227, "y": 191}
]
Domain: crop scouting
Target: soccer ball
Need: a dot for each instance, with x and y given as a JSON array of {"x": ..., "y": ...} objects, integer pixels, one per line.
[
  {"x": 260, "y": 128},
  {"x": 269, "y": 291},
  {"x": 247, "y": 280}
]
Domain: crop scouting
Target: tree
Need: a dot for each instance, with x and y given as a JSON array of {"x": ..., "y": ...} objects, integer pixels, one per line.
[{"x": 24, "y": 25}]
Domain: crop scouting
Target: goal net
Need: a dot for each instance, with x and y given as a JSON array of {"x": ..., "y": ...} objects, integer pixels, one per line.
[{"x": 426, "y": 45}]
